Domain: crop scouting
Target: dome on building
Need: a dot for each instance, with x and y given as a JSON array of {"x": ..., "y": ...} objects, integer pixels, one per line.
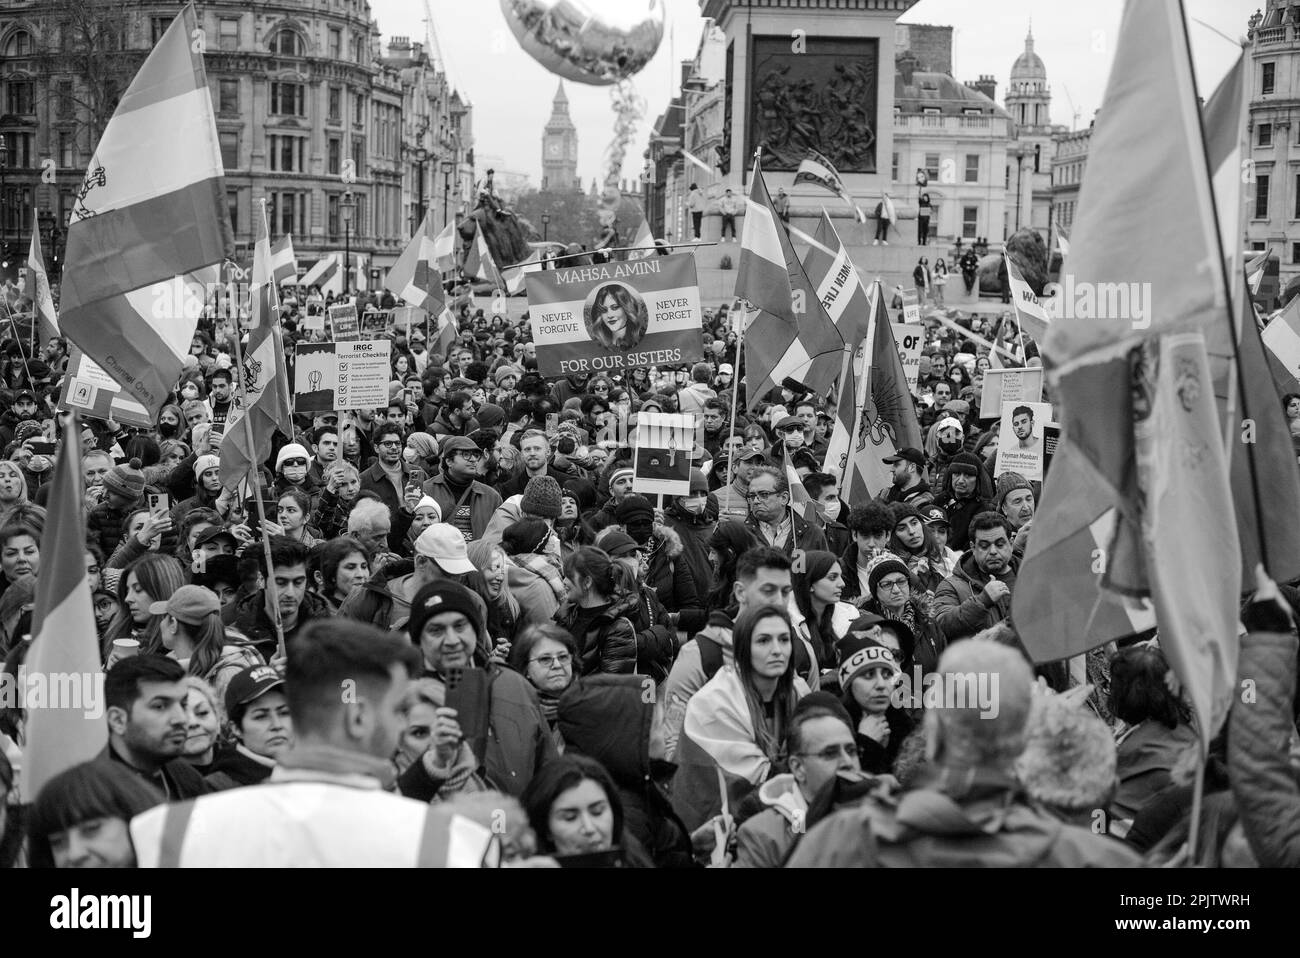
[{"x": 1029, "y": 65}]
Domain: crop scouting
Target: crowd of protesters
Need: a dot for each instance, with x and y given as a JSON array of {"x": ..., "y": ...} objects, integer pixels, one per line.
[{"x": 707, "y": 679}]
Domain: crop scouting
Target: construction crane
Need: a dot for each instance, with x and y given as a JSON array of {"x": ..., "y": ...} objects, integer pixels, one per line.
[
  {"x": 1073, "y": 123},
  {"x": 431, "y": 40}
]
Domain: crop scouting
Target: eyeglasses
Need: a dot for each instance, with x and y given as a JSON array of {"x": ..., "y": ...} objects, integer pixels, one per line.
[
  {"x": 894, "y": 585},
  {"x": 551, "y": 661},
  {"x": 389, "y": 442},
  {"x": 295, "y": 462},
  {"x": 831, "y": 752},
  {"x": 760, "y": 496}
]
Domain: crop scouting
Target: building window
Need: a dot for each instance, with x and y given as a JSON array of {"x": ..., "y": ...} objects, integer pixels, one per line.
[
  {"x": 232, "y": 205},
  {"x": 358, "y": 109},
  {"x": 287, "y": 99},
  {"x": 972, "y": 168},
  {"x": 158, "y": 26},
  {"x": 1261, "y": 196},
  {"x": 335, "y": 156},
  {"x": 336, "y": 44},
  {"x": 1295, "y": 252},
  {"x": 19, "y": 45},
  {"x": 20, "y": 100},
  {"x": 229, "y": 149},
  {"x": 288, "y": 154},
  {"x": 332, "y": 214},
  {"x": 67, "y": 150},
  {"x": 227, "y": 96},
  {"x": 290, "y": 213},
  {"x": 893, "y": 169},
  {"x": 970, "y": 222},
  {"x": 67, "y": 105},
  {"x": 1296, "y": 215},
  {"x": 932, "y": 166},
  {"x": 336, "y": 104},
  {"x": 359, "y": 154},
  {"x": 1266, "y": 77},
  {"x": 229, "y": 36},
  {"x": 287, "y": 44},
  {"x": 1265, "y": 134}
]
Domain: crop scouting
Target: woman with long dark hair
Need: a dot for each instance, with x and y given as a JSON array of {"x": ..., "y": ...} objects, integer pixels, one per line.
[
  {"x": 818, "y": 615},
  {"x": 737, "y": 722},
  {"x": 617, "y": 317},
  {"x": 602, "y": 595},
  {"x": 729, "y": 540},
  {"x": 340, "y": 565},
  {"x": 192, "y": 631},
  {"x": 913, "y": 541},
  {"x": 151, "y": 578},
  {"x": 574, "y": 808}
]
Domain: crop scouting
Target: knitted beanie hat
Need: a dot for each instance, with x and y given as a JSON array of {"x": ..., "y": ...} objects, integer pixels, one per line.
[
  {"x": 1008, "y": 483},
  {"x": 881, "y": 566},
  {"x": 425, "y": 446},
  {"x": 505, "y": 371},
  {"x": 541, "y": 498},
  {"x": 490, "y": 416},
  {"x": 858, "y": 655},
  {"x": 126, "y": 480}
]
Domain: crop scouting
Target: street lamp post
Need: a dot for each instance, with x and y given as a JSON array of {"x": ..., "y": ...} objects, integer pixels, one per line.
[
  {"x": 421, "y": 158},
  {"x": 4, "y": 196},
  {"x": 546, "y": 222},
  {"x": 447, "y": 167},
  {"x": 345, "y": 211}
]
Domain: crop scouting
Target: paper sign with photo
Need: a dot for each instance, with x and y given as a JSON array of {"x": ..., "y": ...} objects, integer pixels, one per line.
[
  {"x": 1020, "y": 438},
  {"x": 1002, "y": 386}
]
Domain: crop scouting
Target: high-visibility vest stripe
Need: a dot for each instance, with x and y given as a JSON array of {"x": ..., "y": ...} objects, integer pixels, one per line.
[{"x": 176, "y": 822}]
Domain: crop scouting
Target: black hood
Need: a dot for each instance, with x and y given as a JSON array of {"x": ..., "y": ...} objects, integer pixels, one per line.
[{"x": 605, "y": 717}]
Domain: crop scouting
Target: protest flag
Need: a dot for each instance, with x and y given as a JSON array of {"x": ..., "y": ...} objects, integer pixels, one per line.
[
  {"x": 1031, "y": 315},
  {"x": 264, "y": 396},
  {"x": 64, "y": 652},
  {"x": 815, "y": 168},
  {"x": 284, "y": 263},
  {"x": 327, "y": 274},
  {"x": 479, "y": 263},
  {"x": 39, "y": 288},
  {"x": 415, "y": 277},
  {"x": 151, "y": 213},
  {"x": 790, "y": 337}
]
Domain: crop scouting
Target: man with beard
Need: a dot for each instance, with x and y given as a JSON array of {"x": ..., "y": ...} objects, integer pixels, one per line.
[
  {"x": 219, "y": 398},
  {"x": 456, "y": 418},
  {"x": 387, "y": 478},
  {"x": 942, "y": 395},
  {"x": 464, "y": 502},
  {"x": 1022, "y": 424},
  {"x": 909, "y": 484},
  {"x": 732, "y": 498},
  {"x": 1016, "y": 502},
  {"x": 251, "y": 614},
  {"x": 325, "y": 446},
  {"x": 967, "y": 490},
  {"x": 147, "y": 724},
  {"x": 978, "y": 593}
]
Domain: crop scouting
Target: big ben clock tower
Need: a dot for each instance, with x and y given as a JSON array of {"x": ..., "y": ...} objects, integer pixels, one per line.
[{"x": 560, "y": 147}]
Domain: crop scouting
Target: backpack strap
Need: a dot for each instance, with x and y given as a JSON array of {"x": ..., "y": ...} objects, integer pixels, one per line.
[{"x": 710, "y": 656}]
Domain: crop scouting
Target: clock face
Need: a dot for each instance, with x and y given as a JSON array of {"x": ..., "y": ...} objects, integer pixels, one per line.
[{"x": 554, "y": 149}]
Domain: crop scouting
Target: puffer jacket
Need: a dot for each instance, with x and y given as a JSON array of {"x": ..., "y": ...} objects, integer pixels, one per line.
[
  {"x": 672, "y": 577},
  {"x": 607, "y": 717},
  {"x": 625, "y": 636},
  {"x": 1263, "y": 780},
  {"x": 959, "y": 607}
]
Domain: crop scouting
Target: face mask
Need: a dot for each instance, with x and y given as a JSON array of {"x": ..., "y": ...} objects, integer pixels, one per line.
[
  {"x": 695, "y": 506},
  {"x": 950, "y": 447},
  {"x": 408, "y": 454},
  {"x": 168, "y": 430},
  {"x": 831, "y": 510},
  {"x": 189, "y": 392}
]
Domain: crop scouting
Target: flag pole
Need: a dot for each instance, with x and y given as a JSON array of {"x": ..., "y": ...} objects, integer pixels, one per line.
[{"x": 735, "y": 390}]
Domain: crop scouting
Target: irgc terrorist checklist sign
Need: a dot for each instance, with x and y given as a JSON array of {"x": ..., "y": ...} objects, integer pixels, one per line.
[
  {"x": 330, "y": 376},
  {"x": 614, "y": 316}
]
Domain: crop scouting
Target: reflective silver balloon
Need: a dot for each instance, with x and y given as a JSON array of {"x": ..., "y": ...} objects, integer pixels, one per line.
[{"x": 588, "y": 41}]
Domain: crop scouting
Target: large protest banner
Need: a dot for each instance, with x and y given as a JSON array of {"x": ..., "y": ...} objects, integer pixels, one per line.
[
  {"x": 614, "y": 316},
  {"x": 88, "y": 389},
  {"x": 331, "y": 376}
]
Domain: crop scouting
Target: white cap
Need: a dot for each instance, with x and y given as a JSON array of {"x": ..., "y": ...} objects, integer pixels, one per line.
[
  {"x": 726, "y": 370},
  {"x": 445, "y": 545},
  {"x": 948, "y": 422}
]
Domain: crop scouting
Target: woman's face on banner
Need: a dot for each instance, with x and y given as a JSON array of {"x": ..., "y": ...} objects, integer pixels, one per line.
[{"x": 613, "y": 316}]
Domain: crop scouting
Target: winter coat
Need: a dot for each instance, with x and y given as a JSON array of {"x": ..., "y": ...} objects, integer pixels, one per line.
[
  {"x": 237, "y": 768},
  {"x": 966, "y": 818},
  {"x": 805, "y": 535},
  {"x": 609, "y": 639},
  {"x": 1143, "y": 758},
  {"x": 687, "y": 677},
  {"x": 671, "y": 577},
  {"x": 331, "y": 515},
  {"x": 959, "y": 605},
  {"x": 105, "y": 524},
  {"x": 248, "y": 615},
  {"x": 607, "y": 717},
  {"x": 1264, "y": 782},
  {"x": 482, "y": 500},
  {"x": 695, "y": 532},
  {"x": 764, "y": 840},
  {"x": 383, "y": 600},
  {"x": 538, "y": 602},
  {"x": 376, "y": 481},
  {"x": 519, "y": 739}
]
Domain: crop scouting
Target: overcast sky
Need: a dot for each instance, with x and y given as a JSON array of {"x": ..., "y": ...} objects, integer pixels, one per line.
[{"x": 512, "y": 93}]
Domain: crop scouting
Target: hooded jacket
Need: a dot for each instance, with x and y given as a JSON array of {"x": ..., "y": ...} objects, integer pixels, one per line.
[
  {"x": 607, "y": 717},
  {"x": 960, "y": 608},
  {"x": 673, "y": 578},
  {"x": 382, "y": 601},
  {"x": 962, "y": 511},
  {"x": 765, "y": 840},
  {"x": 537, "y": 600},
  {"x": 608, "y": 639},
  {"x": 248, "y": 615},
  {"x": 969, "y": 818}
]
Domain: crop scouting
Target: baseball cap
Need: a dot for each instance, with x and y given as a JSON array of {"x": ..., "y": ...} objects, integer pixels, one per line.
[
  {"x": 726, "y": 370},
  {"x": 908, "y": 453},
  {"x": 25, "y": 394},
  {"x": 190, "y": 604},
  {"x": 251, "y": 684},
  {"x": 934, "y": 514},
  {"x": 748, "y": 453},
  {"x": 213, "y": 534},
  {"x": 445, "y": 545}
]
